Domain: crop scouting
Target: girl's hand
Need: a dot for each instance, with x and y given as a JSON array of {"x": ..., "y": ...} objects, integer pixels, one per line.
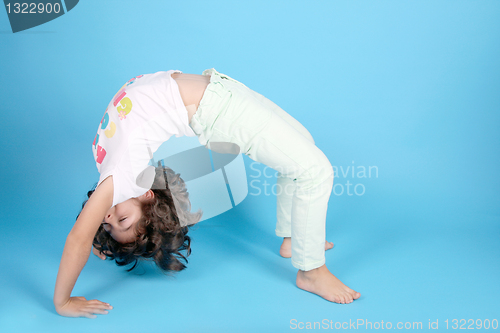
[
  {"x": 80, "y": 307},
  {"x": 97, "y": 253}
]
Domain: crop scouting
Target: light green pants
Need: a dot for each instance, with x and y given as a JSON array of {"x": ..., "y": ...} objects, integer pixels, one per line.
[{"x": 231, "y": 112}]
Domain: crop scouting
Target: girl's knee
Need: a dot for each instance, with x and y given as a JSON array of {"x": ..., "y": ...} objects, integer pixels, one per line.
[
  {"x": 328, "y": 172},
  {"x": 318, "y": 174}
]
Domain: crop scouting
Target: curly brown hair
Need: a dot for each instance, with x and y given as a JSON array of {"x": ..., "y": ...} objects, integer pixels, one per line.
[{"x": 162, "y": 230}]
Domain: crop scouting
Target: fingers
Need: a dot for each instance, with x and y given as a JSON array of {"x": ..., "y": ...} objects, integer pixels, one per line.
[
  {"x": 99, "y": 305},
  {"x": 93, "y": 308},
  {"x": 96, "y": 311},
  {"x": 96, "y": 307},
  {"x": 88, "y": 315}
]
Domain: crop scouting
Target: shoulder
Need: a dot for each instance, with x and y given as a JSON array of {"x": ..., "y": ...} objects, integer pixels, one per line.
[
  {"x": 93, "y": 212},
  {"x": 104, "y": 192}
]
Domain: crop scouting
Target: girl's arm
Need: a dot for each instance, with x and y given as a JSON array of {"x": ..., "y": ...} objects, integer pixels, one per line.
[{"x": 76, "y": 253}]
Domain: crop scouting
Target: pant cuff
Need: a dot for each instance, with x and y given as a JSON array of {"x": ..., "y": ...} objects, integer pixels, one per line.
[
  {"x": 309, "y": 266},
  {"x": 283, "y": 233}
]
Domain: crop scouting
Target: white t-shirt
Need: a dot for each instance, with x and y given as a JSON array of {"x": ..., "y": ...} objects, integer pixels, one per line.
[{"x": 145, "y": 112}]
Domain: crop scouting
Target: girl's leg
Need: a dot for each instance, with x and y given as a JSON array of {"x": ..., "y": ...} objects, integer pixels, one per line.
[
  {"x": 309, "y": 176},
  {"x": 265, "y": 137},
  {"x": 251, "y": 121},
  {"x": 285, "y": 185},
  {"x": 317, "y": 280}
]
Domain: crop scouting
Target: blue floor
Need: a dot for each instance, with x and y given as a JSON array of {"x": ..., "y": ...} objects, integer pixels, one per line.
[
  {"x": 410, "y": 89},
  {"x": 410, "y": 267}
]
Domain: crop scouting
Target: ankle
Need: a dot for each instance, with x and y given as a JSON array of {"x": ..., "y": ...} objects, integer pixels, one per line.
[
  {"x": 287, "y": 241},
  {"x": 314, "y": 272}
]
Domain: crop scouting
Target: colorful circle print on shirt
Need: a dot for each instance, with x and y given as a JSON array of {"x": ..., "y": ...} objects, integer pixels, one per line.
[{"x": 123, "y": 106}]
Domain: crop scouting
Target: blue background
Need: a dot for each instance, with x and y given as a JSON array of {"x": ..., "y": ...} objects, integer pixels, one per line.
[{"x": 411, "y": 87}]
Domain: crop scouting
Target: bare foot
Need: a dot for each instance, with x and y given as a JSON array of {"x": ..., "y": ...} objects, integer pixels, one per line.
[
  {"x": 286, "y": 247},
  {"x": 321, "y": 282}
]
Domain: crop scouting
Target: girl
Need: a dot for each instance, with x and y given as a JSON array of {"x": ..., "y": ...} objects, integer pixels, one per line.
[{"x": 138, "y": 210}]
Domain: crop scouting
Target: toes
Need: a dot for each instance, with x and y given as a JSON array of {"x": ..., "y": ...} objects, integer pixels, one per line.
[
  {"x": 340, "y": 299},
  {"x": 353, "y": 294},
  {"x": 328, "y": 245}
]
